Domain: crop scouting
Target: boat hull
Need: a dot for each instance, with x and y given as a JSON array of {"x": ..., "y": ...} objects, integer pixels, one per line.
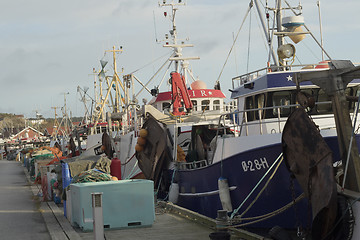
[{"x": 243, "y": 171}]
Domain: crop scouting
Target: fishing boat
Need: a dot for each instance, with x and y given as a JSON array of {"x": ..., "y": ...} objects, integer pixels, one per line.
[
  {"x": 110, "y": 129},
  {"x": 237, "y": 165},
  {"x": 187, "y": 101}
]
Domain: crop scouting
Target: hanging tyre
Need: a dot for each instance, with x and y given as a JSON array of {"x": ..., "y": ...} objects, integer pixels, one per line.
[{"x": 345, "y": 220}]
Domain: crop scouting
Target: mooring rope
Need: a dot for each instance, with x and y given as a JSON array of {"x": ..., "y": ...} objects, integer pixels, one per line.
[
  {"x": 268, "y": 215},
  {"x": 262, "y": 190},
  {"x": 263, "y": 177}
]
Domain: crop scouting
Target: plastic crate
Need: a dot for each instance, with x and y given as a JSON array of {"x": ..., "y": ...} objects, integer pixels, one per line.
[{"x": 126, "y": 203}]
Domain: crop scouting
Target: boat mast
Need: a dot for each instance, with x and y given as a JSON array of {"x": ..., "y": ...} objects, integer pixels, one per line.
[
  {"x": 56, "y": 124},
  {"x": 280, "y": 37},
  {"x": 95, "y": 96},
  {"x": 181, "y": 63},
  {"x": 271, "y": 50},
  {"x": 116, "y": 78},
  {"x": 114, "y": 82},
  {"x": 279, "y": 22},
  {"x": 321, "y": 35}
]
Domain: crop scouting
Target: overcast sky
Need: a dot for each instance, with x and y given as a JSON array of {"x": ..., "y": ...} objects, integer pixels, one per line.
[{"x": 48, "y": 48}]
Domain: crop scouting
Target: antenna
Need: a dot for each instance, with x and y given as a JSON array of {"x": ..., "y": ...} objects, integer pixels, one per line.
[{"x": 156, "y": 39}]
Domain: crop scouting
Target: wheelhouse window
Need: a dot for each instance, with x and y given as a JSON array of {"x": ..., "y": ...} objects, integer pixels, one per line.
[
  {"x": 216, "y": 105},
  {"x": 281, "y": 99},
  {"x": 260, "y": 101},
  {"x": 249, "y": 105},
  {"x": 166, "y": 106},
  {"x": 285, "y": 98},
  {"x": 205, "y": 105}
]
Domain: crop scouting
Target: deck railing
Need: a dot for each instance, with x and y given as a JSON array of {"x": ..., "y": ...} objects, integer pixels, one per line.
[
  {"x": 248, "y": 77},
  {"x": 257, "y": 126}
]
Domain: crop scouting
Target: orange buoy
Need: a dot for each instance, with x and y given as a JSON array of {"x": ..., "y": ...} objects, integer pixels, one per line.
[
  {"x": 138, "y": 148},
  {"x": 143, "y": 133},
  {"x": 322, "y": 64},
  {"x": 141, "y": 141}
]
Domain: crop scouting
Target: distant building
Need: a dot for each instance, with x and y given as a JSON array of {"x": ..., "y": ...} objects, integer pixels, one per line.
[
  {"x": 28, "y": 134},
  {"x": 53, "y": 131},
  {"x": 36, "y": 121}
]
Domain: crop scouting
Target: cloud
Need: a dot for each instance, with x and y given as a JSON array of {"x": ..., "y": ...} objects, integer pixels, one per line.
[{"x": 51, "y": 47}]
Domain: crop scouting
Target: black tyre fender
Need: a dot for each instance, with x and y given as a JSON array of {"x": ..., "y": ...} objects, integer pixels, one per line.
[
  {"x": 344, "y": 221},
  {"x": 277, "y": 233}
]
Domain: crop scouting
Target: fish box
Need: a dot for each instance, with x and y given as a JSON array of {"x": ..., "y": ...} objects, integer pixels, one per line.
[{"x": 125, "y": 203}]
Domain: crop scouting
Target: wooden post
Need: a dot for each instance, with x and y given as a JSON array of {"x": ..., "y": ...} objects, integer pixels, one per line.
[
  {"x": 344, "y": 132},
  {"x": 334, "y": 82}
]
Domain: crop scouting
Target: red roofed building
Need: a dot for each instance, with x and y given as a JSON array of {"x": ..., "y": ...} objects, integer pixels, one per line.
[{"x": 28, "y": 134}]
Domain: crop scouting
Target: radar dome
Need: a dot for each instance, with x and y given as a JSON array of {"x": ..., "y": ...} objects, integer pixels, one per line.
[{"x": 198, "y": 84}]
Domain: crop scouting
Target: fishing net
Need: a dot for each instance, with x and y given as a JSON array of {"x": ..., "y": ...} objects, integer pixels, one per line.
[{"x": 92, "y": 175}]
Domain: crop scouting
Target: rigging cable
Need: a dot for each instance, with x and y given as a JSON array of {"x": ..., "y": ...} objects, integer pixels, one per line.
[
  {"x": 237, "y": 35},
  {"x": 153, "y": 76},
  {"x": 236, "y": 65},
  {"x": 266, "y": 216},
  {"x": 249, "y": 40},
  {"x": 351, "y": 141},
  {"x": 155, "y": 27},
  {"x": 262, "y": 36},
  {"x": 156, "y": 59},
  {"x": 165, "y": 74}
]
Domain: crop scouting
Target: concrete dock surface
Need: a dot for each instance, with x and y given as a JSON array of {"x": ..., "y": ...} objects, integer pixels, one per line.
[
  {"x": 25, "y": 216},
  {"x": 20, "y": 217}
]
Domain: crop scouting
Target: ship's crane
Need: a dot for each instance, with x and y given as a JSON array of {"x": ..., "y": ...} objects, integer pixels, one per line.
[{"x": 178, "y": 93}]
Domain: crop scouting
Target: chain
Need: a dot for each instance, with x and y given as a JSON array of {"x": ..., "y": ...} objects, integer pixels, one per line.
[
  {"x": 309, "y": 214},
  {"x": 300, "y": 232}
]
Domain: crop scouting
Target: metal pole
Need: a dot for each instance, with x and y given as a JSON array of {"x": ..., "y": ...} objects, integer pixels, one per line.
[
  {"x": 321, "y": 36},
  {"x": 265, "y": 31},
  {"x": 98, "y": 219}
]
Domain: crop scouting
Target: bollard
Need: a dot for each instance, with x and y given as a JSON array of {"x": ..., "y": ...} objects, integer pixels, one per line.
[
  {"x": 222, "y": 220},
  {"x": 219, "y": 236},
  {"x": 98, "y": 219}
]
